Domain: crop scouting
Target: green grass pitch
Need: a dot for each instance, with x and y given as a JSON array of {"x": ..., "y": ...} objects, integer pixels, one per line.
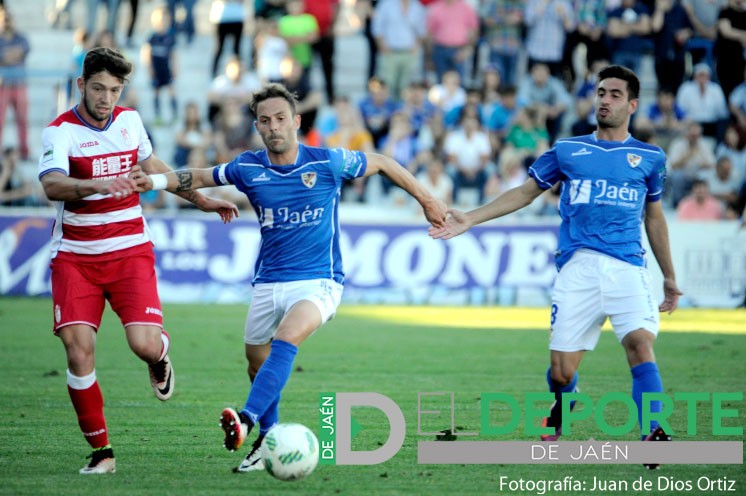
[{"x": 176, "y": 447}]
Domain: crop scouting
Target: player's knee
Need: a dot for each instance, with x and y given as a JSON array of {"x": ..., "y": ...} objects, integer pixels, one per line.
[
  {"x": 639, "y": 346},
  {"x": 562, "y": 374}
]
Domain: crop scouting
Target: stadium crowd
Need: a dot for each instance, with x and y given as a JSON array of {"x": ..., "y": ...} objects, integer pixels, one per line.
[{"x": 463, "y": 93}]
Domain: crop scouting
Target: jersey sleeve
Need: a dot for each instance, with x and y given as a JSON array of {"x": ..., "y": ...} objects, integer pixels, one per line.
[
  {"x": 347, "y": 164},
  {"x": 224, "y": 174},
  {"x": 55, "y": 145},
  {"x": 656, "y": 180},
  {"x": 144, "y": 147},
  {"x": 546, "y": 169}
]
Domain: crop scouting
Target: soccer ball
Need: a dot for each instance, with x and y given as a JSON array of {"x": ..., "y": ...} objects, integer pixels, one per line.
[{"x": 290, "y": 451}]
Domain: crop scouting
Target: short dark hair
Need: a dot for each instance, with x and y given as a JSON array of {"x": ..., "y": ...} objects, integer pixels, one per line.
[
  {"x": 273, "y": 90},
  {"x": 625, "y": 74},
  {"x": 102, "y": 59}
]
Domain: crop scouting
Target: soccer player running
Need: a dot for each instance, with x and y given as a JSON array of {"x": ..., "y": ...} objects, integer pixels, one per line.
[
  {"x": 101, "y": 249},
  {"x": 298, "y": 275},
  {"x": 610, "y": 181}
]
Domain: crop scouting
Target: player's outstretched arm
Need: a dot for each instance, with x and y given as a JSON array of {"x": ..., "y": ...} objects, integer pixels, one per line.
[
  {"x": 510, "y": 201},
  {"x": 435, "y": 210},
  {"x": 59, "y": 187},
  {"x": 657, "y": 231},
  {"x": 184, "y": 182}
]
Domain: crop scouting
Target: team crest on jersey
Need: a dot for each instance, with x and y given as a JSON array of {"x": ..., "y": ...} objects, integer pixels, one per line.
[
  {"x": 126, "y": 136},
  {"x": 309, "y": 179},
  {"x": 634, "y": 160}
]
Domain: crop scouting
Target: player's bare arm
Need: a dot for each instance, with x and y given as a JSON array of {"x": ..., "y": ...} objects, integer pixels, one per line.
[
  {"x": 184, "y": 187},
  {"x": 514, "y": 199},
  {"x": 59, "y": 187},
  {"x": 435, "y": 210},
  {"x": 657, "y": 231},
  {"x": 176, "y": 181}
]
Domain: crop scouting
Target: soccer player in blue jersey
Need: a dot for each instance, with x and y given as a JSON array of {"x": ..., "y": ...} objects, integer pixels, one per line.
[
  {"x": 298, "y": 276},
  {"x": 610, "y": 182}
]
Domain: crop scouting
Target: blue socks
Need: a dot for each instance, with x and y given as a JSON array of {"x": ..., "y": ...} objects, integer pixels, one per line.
[
  {"x": 269, "y": 381},
  {"x": 270, "y": 418},
  {"x": 555, "y": 416},
  {"x": 646, "y": 379}
]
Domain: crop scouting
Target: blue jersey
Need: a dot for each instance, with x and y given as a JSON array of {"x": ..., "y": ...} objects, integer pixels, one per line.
[
  {"x": 297, "y": 207},
  {"x": 605, "y": 186}
]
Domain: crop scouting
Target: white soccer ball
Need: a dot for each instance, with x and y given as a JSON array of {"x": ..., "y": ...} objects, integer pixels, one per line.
[{"x": 290, "y": 451}]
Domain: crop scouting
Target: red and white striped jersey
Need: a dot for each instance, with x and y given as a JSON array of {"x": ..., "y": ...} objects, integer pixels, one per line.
[{"x": 96, "y": 224}]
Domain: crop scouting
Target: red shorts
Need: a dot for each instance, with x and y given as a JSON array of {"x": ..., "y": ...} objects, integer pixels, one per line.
[{"x": 80, "y": 288}]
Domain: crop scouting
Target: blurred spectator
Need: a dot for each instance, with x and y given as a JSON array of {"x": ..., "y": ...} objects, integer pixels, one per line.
[
  {"x": 584, "y": 100},
  {"x": 132, "y": 21},
  {"x": 159, "y": 56},
  {"x": 271, "y": 52},
  {"x": 668, "y": 119},
  {"x": 14, "y": 48},
  {"x": 399, "y": 29},
  {"x": 453, "y": 27},
  {"x": 703, "y": 16},
  {"x": 687, "y": 157},
  {"x": 671, "y": 29},
  {"x": 15, "y": 190},
  {"x": 351, "y": 135},
  {"x": 417, "y": 106},
  {"x": 448, "y": 95},
  {"x": 265, "y": 10},
  {"x": 81, "y": 44},
  {"x": 435, "y": 178},
  {"x": 723, "y": 185},
  {"x": 228, "y": 17},
  {"x": 309, "y": 102},
  {"x": 590, "y": 31},
  {"x": 528, "y": 133},
  {"x": 233, "y": 134},
  {"x": 737, "y": 105},
  {"x": 183, "y": 25},
  {"x": 193, "y": 133},
  {"x": 491, "y": 82},
  {"x": 365, "y": 9},
  {"x": 547, "y": 24},
  {"x": 547, "y": 95},
  {"x": 510, "y": 173},
  {"x": 628, "y": 30},
  {"x": 734, "y": 147},
  {"x": 92, "y": 7},
  {"x": 503, "y": 26},
  {"x": 236, "y": 84},
  {"x": 59, "y": 16},
  {"x": 645, "y": 132},
  {"x": 325, "y": 12},
  {"x": 300, "y": 31},
  {"x": 377, "y": 107},
  {"x": 400, "y": 144},
  {"x": 729, "y": 46},
  {"x": 503, "y": 113},
  {"x": 699, "y": 205},
  {"x": 703, "y": 101},
  {"x": 469, "y": 152}
]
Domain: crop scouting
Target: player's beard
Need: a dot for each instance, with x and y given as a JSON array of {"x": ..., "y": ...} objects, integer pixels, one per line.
[
  {"x": 277, "y": 147},
  {"x": 609, "y": 121},
  {"x": 95, "y": 114}
]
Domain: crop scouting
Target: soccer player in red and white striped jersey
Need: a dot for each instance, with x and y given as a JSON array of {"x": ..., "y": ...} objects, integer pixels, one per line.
[{"x": 101, "y": 249}]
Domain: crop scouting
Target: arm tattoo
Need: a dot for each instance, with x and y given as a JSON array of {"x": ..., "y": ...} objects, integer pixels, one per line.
[{"x": 185, "y": 180}]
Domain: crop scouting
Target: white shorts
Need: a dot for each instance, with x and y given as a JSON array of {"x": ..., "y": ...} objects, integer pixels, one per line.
[
  {"x": 593, "y": 286},
  {"x": 271, "y": 301}
]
